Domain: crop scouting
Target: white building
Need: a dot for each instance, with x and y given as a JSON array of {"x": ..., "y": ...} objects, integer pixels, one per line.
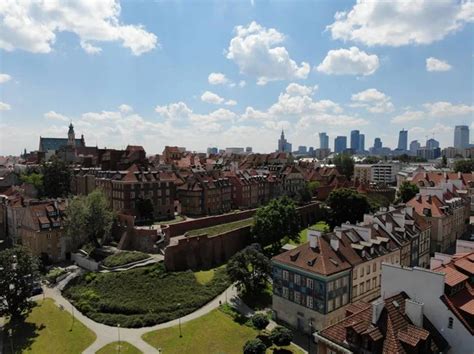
[
  {"x": 384, "y": 173},
  {"x": 428, "y": 288}
]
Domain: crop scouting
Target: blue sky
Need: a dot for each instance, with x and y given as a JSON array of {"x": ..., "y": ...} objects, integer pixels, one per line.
[{"x": 139, "y": 72}]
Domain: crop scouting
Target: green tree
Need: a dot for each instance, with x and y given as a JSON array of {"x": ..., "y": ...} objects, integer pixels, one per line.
[
  {"x": 313, "y": 186},
  {"x": 304, "y": 195},
  {"x": 371, "y": 159},
  {"x": 346, "y": 205},
  {"x": 254, "y": 346},
  {"x": 56, "y": 178},
  {"x": 89, "y": 218},
  {"x": 281, "y": 336},
  {"x": 145, "y": 208},
  {"x": 275, "y": 221},
  {"x": 344, "y": 164},
  {"x": 464, "y": 166},
  {"x": 260, "y": 321},
  {"x": 18, "y": 269},
  {"x": 250, "y": 269},
  {"x": 36, "y": 180},
  {"x": 407, "y": 191}
]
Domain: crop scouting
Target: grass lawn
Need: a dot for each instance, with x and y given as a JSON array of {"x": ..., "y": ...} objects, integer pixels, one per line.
[
  {"x": 143, "y": 296},
  {"x": 320, "y": 226},
  {"x": 46, "y": 330},
  {"x": 204, "y": 276},
  {"x": 125, "y": 348},
  {"x": 177, "y": 219},
  {"x": 218, "y": 229},
  {"x": 124, "y": 257},
  {"x": 214, "y": 333}
]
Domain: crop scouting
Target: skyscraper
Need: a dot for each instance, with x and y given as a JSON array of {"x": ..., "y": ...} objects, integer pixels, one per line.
[
  {"x": 355, "y": 140},
  {"x": 432, "y": 144},
  {"x": 403, "y": 140},
  {"x": 461, "y": 136},
  {"x": 323, "y": 141},
  {"x": 340, "y": 144},
  {"x": 361, "y": 142},
  {"x": 283, "y": 145},
  {"x": 377, "y": 143},
  {"x": 414, "y": 147}
]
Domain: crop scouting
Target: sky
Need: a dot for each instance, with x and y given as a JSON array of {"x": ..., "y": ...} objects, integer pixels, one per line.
[{"x": 219, "y": 73}]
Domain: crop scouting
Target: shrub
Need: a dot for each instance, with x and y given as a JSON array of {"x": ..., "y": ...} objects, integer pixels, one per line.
[
  {"x": 260, "y": 321},
  {"x": 281, "y": 336},
  {"x": 254, "y": 346},
  {"x": 54, "y": 273}
]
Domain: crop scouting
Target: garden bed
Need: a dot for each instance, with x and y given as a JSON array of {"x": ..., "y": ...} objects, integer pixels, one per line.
[
  {"x": 142, "y": 296},
  {"x": 123, "y": 258}
]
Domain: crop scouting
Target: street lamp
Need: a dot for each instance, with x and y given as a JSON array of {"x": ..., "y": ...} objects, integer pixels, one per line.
[
  {"x": 118, "y": 330},
  {"x": 179, "y": 322}
]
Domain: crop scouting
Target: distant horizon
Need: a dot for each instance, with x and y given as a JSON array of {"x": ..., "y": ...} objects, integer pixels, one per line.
[{"x": 220, "y": 74}]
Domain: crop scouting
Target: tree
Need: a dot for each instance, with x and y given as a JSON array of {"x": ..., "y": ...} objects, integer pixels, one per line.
[
  {"x": 260, "y": 321},
  {"x": 56, "y": 178},
  {"x": 89, "y": 218},
  {"x": 344, "y": 164},
  {"x": 407, "y": 191},
  {"x": 371, "y": 159},
  {"x": 464, "y": 166},
  {"x": 250, "y": 269},
  {"x": 17, "y": 272},
  {"x": 346, "y": 205},
  {"x": 36, "y": 180},
  {"x": 275, "y": 221},
  {"x": 281, "y": 336},
  {"x": 304, "y": 195},
  {"x": 254, "y": 346},
  {"x": 313, "y": 186},
  {"x": 145, "y": 208}
]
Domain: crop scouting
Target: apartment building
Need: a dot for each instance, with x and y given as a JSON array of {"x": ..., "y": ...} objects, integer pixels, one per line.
[
  {"x": 384, "y": 173},
  {"x": 363, "y": 173}
]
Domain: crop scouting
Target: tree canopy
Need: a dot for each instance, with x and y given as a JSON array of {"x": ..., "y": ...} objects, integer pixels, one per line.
[
  {"x": 346, "y": 205},
  {"x": 344, "y": 164},
  {"x": 250, "y": 269},
  {"x": 18, "y": 270},
  {"x": 56, "y": 178},
  {"x": 36, "y": 180},
  {"x": 407, "y": 191},
  {"x": 275, "y": 221},
  {"x": 254, "y": 346},
  {"x": 89, "y": 218},
  {"x": 281, "y": 336},
  {"x": 464, "y": 166}
]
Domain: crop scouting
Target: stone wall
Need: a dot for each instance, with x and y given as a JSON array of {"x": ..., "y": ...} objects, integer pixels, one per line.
[{"x": 131, "y": 237}]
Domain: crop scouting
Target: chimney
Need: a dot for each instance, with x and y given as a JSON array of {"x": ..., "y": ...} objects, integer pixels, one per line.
[
  {"x": 313, "y": 236},
  {"x": 335, "y": 244},
  {"x": 414, "y": 311},
  {"x": 377, "y": 307}
]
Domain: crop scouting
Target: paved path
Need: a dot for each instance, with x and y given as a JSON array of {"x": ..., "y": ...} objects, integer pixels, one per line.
[{"x": 107, "y": 334}]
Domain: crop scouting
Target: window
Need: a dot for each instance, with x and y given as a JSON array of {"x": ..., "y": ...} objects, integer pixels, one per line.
[
  {"x": 361, "y": 272},
  {"x": 368, "y": 269},
  {"x": 309, "y": 301},
  {"x": 345, "y": 298},
  {"x": 374, "y": 283},
  {"x": 361, "y": 288},
  {"x": 330, "y": 305},
  {"x": 354, "y": 290},
  {"x": 297, "y": 297},
  {"x": 309, "y": 283},
  {"x": 354, "y": 275},
  {"x": 450, "y": 322},
  {"x": 337, "y": 302},
  {"x": 338, "y": 283},
  {"x": 285, "y": 292},
  {"x": 285, "y": 275},
  {"x": 330, "y": 286},
  {"x": 374, "y": 267},
  {"x": 367, "y": 285},
  {"x": 345, "y": 281},
  {"x": 297, "y": 279}
]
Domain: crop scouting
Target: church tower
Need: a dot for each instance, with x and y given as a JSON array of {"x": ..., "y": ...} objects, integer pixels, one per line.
[{"x": 71, "y": 136}]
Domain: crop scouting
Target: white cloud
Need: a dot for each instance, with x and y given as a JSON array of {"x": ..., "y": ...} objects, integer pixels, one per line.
[
  {"x": 4, "y": 106},
  {"x": 231, "y": 103},
  {"x": 446, "y": 109},
  {"x": 125, "y": 108},
  {"x": 300, "y": 90},
  {"x": 174, "y": 111},
  {"x": 254, "y": 49},
  {"x": 401, "y": 22},
  {"x": 351, "y": 61},
  {"x": 56, "y": 116},
  {"x": 373, "y": 100},
  {"x": 409, "y": 116},
  {"x": 211, "y": 97},
  {"x": 242, "y": 83},
  {"x": 4, "y": 78},
  {"x": 433, "y": 64},
  {"x": 33, "y": 25},
  {"x": 217, "y": 79}
]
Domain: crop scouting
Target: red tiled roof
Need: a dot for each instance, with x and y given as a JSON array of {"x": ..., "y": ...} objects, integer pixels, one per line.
[
  {"x": 465, "y": 264},
  {"x": 452, "y": 276}
]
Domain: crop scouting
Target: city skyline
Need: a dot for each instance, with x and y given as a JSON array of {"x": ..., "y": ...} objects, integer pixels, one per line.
[{"x": 151, "y": 83}]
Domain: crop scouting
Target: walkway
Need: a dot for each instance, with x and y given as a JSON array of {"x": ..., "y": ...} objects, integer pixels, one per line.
[{"x": 107, "y": 334}]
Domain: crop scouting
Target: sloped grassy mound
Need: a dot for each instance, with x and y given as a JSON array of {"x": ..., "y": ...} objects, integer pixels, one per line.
[{"x": 143, "y": 296}]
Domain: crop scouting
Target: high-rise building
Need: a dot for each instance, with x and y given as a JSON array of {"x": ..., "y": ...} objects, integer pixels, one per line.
[
  {"x": 323, "y": 141},
  {"x": 461, "y": 136},
  {"x": 377, "y": 143},
  {"x": 414, "y": 147},
  {"x": 361, "y": 143},
  {"x": 432, "y": 144},
  {"x": 212, "y": 151},
  {"x": 340, "y": 144},
  {"x": 355, "y": 140},
  {"x": 403, "y": 140},
  {"x": 283, "y": 144},
  {"x": 248, "y": 149},
  {"x": 302, "y": 150}
]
